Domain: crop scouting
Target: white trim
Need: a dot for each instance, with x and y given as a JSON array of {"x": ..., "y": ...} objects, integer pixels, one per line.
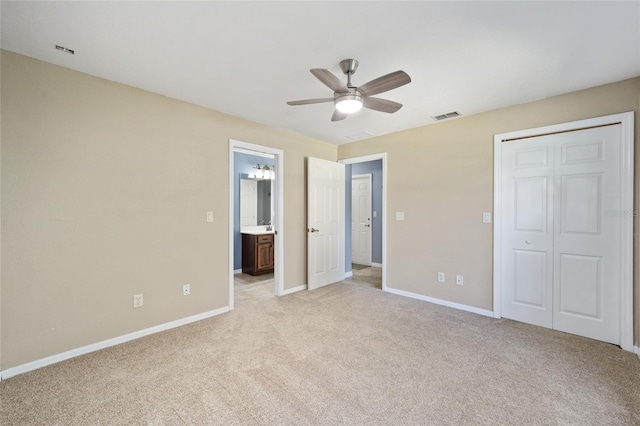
[
  {"x": 348, "y": 274},
  {"x": 636, "y": 349},
  {"x": 376, "y": 265},
  {"x": 245, "y": 147},
  {"x": 30, "y": 366},
  {"x": 294, "y": 289},
  {"x": 256, "y": 153},
  {"x": 237, "y": 271},
  {"x": 626, "y": 121},
  {"x": 381, "y": 156},
  {"x": 454, "y": 305}
]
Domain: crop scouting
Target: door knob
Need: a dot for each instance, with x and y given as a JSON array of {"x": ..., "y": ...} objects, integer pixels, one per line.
[
  {"x": 368, "y": 226},
  {"x": 314, "y": 230}
]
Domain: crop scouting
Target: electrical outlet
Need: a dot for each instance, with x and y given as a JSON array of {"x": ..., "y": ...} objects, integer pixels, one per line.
[
  {"x": 186, "y": 290},
  {"x": 137, "y": 300},
  {"x": 459, "y": 280},
  {"x": 440, "y": 277}
]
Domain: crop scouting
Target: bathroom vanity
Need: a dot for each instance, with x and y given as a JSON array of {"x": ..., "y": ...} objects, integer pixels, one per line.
[{"x": 257, "y": 252}]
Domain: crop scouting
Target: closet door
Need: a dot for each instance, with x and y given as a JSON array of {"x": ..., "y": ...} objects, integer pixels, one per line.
[
  {"x": 561, "y": 233},
  {"x": 586, "y": 296},
  {"x": 527, "y": 231}
]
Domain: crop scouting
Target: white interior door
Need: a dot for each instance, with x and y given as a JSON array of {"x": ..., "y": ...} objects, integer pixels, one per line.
[
  {"x": 248, "y": 202},
  {"x": 527, "y": 255},
  {"x": 586, "y": 298},
  {"x": 561, "y": 257},
  {"x": 325, "y": 221},
  {"x": 361, "y": 219}
]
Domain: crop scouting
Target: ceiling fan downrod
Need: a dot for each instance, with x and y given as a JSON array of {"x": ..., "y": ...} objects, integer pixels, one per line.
[{"x": 349, "y": 67}]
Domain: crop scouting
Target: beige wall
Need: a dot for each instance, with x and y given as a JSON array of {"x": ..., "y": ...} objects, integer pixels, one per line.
[
  {"x": 105, "y": 190},
  {"x": 441, "y": 176}
]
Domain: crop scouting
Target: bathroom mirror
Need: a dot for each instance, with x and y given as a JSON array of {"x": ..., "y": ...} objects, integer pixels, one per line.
[{"x": 255, "y": 202}]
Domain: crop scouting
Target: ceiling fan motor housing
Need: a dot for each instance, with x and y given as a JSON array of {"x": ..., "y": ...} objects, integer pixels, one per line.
[{"x": 349, "y": 66}]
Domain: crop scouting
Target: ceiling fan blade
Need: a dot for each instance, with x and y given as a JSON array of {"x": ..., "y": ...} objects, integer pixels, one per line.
[
  {"x": 382, "y": 105},
  {"x": 330, "y": 80},
  {"x": 337, "y": 115},
  {"x": 310, "y": 101},
  {"x": 386, "y": 82}
]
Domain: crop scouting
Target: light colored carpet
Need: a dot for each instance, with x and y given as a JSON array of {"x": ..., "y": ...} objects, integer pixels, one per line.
[{"x": 343, "y": 354}]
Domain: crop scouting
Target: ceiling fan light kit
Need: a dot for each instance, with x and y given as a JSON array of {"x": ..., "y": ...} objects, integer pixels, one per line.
[
  {"x": 349, "y": 99},
  {"x": 349, "y": 103}
]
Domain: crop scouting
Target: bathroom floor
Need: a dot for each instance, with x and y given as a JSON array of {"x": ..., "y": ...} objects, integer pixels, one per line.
[{"x": 249, "y": 288}]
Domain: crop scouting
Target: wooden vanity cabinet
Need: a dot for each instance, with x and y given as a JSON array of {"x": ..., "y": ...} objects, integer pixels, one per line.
[{"x": 257, "y": 254}]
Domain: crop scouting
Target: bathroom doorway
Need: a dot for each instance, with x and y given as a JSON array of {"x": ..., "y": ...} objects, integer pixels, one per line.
[{"x": 255, "y": 223}]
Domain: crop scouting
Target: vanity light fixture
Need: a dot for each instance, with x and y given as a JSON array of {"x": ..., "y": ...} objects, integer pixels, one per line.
[{"x": 263, "y": 172}]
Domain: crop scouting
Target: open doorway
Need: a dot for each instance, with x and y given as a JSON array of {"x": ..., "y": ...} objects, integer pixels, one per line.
[
  {"x": 255, "y": 219},
  {"x": 365, "y": 211}
]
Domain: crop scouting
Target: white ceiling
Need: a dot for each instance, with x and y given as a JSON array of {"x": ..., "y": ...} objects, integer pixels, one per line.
[{"x": 249, "y": 58}]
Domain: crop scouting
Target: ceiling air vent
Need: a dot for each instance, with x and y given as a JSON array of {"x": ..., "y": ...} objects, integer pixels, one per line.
[
  {"x": 447, "y": 115},
  {"x": 360, "y": 136}
]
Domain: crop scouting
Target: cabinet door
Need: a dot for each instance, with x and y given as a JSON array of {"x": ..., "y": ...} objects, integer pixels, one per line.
[{"x": 264, "y": 256}]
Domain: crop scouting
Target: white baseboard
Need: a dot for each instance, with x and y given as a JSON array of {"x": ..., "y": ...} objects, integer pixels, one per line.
[
  {"x": 33, "y": 365},
  {"x": 237, "y": 271},
  {"x": 348, "y": 274},
  {"x": 441, "y": 302},
  {"x": 636, "y": 349},
  {"x": 376, "y": 265},
  {"x": 294, "y": 289}
]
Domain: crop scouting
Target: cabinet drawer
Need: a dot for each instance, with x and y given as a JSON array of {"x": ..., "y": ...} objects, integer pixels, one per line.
[{"x": 265, "y": 238}]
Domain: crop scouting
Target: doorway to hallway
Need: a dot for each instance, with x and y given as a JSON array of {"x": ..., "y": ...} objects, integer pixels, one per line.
[{"x": 365, "y": 242}]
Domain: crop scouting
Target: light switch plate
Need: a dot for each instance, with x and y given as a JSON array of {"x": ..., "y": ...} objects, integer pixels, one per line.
[
  {"x": 210, "y": 217},
  {"x": 399, "y": 215},
  {"x": 486, "y": 217}
]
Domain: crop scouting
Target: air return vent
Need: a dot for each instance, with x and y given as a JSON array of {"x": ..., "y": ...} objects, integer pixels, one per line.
[
  {"x": 447, "y": 115},
  {"x": 65, "y": 49},
  {"x": 360, "y": 136}
]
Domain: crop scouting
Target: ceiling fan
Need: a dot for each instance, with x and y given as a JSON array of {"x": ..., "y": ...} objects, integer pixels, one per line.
[{"x": 349, "y": 99}]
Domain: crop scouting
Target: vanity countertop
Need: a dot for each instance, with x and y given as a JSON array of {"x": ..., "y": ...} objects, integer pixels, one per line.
[{"x": 255, "y": 230}]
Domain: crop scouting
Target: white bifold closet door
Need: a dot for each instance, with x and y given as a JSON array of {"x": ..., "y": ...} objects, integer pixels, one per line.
[{"x": 560, "y": 235}]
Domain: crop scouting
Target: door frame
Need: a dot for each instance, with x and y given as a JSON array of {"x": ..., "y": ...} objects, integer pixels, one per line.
[
  {"x": 240, "y": 146},
  {"x": 380, "y": 156},
  {"x": 626, "y": 121},
  {"x": 368, "y": 176}
]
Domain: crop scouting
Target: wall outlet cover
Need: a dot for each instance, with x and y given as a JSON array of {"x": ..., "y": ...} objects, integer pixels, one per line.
[{"x": 138, "y": 300}]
